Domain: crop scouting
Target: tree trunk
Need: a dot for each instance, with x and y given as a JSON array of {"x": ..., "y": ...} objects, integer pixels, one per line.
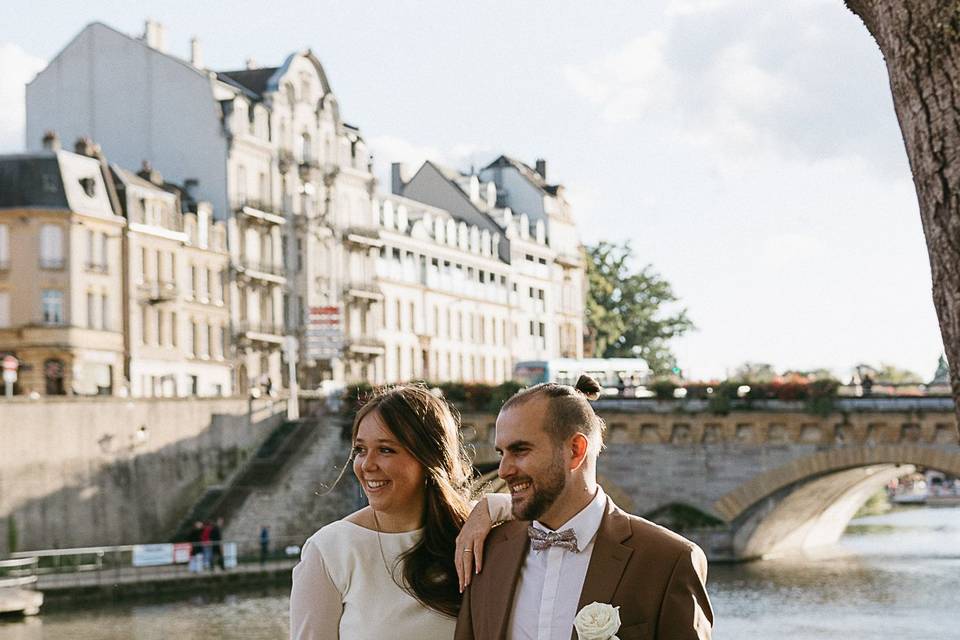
[{"x": 920, "y": 41}]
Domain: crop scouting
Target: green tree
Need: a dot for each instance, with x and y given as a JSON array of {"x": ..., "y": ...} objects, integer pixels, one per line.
[{"x": 627, "y": 310}]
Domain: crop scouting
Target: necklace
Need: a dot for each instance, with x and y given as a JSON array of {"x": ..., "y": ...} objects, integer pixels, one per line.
[{"x": 383, "y": 556}]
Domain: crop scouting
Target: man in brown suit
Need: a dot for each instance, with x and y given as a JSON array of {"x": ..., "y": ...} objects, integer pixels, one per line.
[{"x": 570, "y": 545}]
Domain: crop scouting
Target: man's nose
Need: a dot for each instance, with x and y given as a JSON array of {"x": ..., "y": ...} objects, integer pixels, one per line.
[{"x": 506, "y": 467}]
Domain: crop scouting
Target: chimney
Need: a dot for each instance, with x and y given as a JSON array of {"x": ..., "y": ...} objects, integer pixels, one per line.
[
  {"x": 196, "y": 53},
  {"x": 147, "y": 172},
  {"x": 51, "y": 141},
  {"x": 155, "y": 35},
  {"x": 85, "y": 147},
  {"x": 189, "y": 185},
  {"x": 396, "y": 178},
  {"x": 542, "y": 168}
]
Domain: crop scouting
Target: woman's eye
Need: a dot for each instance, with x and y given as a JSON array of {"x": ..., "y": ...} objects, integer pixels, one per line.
[
  {"x": 386, "y": 450},
  {"x": 357, "y": 451}
]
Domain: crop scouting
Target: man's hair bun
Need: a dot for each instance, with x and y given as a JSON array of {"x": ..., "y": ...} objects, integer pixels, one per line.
[{"x": 588, "y": 387}]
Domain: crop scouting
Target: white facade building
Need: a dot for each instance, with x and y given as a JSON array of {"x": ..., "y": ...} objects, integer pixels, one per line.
[{"x": 268, "y": 149}]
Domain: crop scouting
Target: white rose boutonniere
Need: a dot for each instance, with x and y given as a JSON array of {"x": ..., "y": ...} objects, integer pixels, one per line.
[{"x": 597, "y": 621}]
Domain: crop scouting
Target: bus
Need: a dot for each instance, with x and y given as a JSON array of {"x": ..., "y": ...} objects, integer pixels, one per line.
[{"x": 626, "y": 377}]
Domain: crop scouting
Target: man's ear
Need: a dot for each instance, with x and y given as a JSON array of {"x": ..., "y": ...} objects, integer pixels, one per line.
[{"x": 578, "y": 447}]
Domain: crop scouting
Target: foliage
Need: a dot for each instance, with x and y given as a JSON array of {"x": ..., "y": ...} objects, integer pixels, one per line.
[
  {"x": 892, "y": 374},
  {"x": 682, "y": 517},
  {"x": 755, "y": 372},
  {"x": 663, "y": 388},
  {"x": 626, "y": 312}
]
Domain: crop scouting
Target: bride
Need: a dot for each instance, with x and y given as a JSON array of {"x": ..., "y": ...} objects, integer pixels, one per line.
[{"x": 396, "y": 568}]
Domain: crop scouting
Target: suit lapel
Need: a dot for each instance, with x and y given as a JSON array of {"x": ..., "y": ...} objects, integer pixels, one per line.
[
  {"x": 503, "y": 569},
  {"x": 608, "y": 560}
]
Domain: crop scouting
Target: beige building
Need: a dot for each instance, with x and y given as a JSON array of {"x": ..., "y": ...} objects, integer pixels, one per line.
[
  {"x": 175, "y": 290},
  {"x": 61, "y": 273}
]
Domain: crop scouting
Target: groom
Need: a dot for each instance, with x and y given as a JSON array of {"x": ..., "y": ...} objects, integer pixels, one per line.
[{"x": 570, "y": 545}]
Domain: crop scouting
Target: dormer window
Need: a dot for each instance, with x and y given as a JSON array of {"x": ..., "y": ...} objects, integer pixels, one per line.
[{"x": 89, "y": 186}]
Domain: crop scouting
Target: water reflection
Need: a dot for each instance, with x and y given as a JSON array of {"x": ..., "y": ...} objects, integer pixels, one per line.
[{"x": 894, "y": 576}]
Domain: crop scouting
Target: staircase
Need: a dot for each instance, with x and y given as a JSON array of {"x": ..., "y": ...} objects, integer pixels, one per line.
[{"x": 264, "y": 468}]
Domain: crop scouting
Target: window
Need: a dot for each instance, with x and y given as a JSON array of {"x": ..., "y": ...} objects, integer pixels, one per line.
[
  {"x": 104, "y": 250},
  {"x": 192, "y": 285},
  {"x": 143, "y": 265},
  {"x": 52, "y": 306},
  {"x": 91, "y": 257},
  {"x": 4, "y": 309},
  {"x": 51, "y": 246},
  {"x": 173, "y": 328},
  {"x": 241, "y": 184},
  {"x": 91, "y": 306},
  {"x": 105, "y": 313},
  {"x": 4, "y": 248},
  {"x": 143, "y": 324}
]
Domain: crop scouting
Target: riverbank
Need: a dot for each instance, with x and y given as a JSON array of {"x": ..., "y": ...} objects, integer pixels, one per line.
[{"x": 64, "y": 592}]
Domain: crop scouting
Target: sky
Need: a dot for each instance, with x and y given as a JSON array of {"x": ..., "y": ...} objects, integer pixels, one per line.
[{"x": 747, "y": 149}]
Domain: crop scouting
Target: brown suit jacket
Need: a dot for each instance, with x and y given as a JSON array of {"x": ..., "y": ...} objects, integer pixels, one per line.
[{"x": 657, "y": 578}]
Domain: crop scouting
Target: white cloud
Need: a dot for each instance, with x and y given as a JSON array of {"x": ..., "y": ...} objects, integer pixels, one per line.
[
  {"x": 694, "y": 7},
  {"x": 628, "y": 82},
  {"x": 17, "y": 68}
]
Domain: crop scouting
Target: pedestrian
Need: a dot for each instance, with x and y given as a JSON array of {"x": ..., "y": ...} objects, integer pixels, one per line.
[
  {"x": 216, "y": 537},
  {"x": 264, "y": 543},
  {"x": 205, "y": 542},
  {"x": 196, "y": 548}
]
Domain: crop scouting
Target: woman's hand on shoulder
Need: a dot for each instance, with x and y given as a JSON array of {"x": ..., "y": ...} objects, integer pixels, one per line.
[{"x": 469, "y": 550}]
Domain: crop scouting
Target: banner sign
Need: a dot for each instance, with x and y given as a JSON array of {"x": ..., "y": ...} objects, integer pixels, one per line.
[
  {"x": 181, "y": 552},
  {"x": 323, "y": 333},
  {"x": 152, "y": 555},
  {"x": 229, "y": 555}
]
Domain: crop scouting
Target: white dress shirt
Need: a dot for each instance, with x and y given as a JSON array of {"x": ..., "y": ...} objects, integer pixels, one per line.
[{"x": 548, "y": 590}]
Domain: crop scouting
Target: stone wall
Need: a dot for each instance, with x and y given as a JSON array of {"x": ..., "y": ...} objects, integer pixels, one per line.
[
  {"x": 306, "y": 497},
  {"x": 99, "y": 471}
]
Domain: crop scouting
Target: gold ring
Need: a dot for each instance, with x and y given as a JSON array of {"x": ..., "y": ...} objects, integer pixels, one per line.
[{"x": 468, "y": 550}]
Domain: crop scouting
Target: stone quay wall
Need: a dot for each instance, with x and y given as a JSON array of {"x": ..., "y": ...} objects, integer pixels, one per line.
[{"x": 78, "y": 472}]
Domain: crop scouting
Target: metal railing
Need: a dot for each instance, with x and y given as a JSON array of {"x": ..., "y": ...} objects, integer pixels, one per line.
[
  {"x": 18, "y": 572},
  {"x": 263, "y": 267},
  {"x": 96, "y": 267},
  {"x": 273, "y": 328}
]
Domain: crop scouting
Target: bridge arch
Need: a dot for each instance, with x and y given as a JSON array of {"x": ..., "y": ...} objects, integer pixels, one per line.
[{"x": 809, "y": 501}]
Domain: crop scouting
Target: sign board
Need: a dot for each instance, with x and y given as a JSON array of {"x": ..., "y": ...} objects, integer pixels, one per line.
[
  {"x": 152, "y": 555},
  {"x": 229, "y": 555},
  {"x": 323, "y": 333},
  {"x": 181, "y": 552}
]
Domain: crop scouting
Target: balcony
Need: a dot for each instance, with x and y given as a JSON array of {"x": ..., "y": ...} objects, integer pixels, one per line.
[
  {"x": 362, "y": 238},
  {"x": 363, "y": 290},
  {"x": 569, "y": 260},
  {"x": 53, "y": 264},
  {"x": 261, "y": 211},
  {"x": 157, "y": 292},
  {"x": 96, "y": 267},
  {"x": 269, "y": 272},
  {"x": 260, "y": 330},
  {"x": 365, "y": 347}
]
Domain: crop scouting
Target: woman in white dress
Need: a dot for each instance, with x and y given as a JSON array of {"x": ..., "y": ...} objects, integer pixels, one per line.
[{"x": 387, "y": 571}]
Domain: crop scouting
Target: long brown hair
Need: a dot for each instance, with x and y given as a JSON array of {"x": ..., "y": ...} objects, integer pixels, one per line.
[{"x": 430, "y": 430}]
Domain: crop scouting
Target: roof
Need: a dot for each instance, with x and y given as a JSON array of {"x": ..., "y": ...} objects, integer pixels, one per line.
[
  {"x": 31, "y": 180},
  {"x": 526, "y": 171},
  {"x": 254, "y": 80}
]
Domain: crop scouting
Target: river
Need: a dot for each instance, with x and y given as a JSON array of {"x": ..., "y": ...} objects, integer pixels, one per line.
[{"x": 894, "y": 576}]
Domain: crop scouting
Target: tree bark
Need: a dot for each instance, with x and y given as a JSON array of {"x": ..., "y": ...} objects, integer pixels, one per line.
[{"x": 920, "y": 41}]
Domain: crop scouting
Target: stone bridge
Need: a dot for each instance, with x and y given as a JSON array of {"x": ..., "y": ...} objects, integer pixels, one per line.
[{"x": 770, "y": 477}]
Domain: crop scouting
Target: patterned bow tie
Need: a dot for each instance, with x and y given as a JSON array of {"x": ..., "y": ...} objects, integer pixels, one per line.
[{"x": 540, "y": 540}]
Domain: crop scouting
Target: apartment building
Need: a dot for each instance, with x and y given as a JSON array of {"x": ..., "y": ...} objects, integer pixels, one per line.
[
  {"x": 267, "y": 147},
  {"x": 178, "y": 325},
  {"x": 61, "y": 262}
]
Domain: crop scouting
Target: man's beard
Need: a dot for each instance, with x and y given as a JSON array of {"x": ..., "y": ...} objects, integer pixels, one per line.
[{"x": 546, "y": 490}]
